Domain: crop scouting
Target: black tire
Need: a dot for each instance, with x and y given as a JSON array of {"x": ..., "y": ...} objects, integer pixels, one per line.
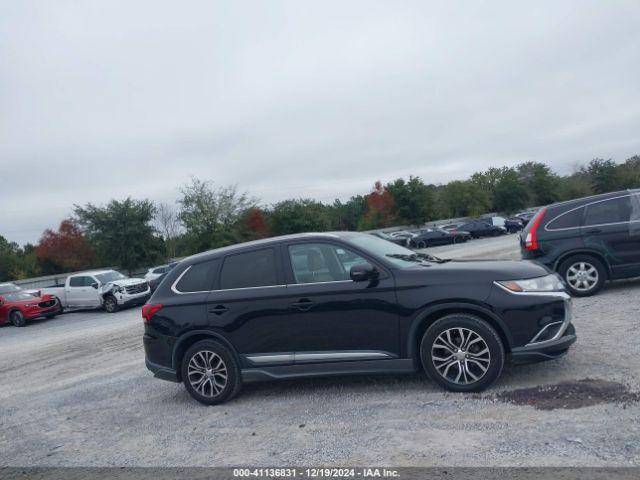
[
  {"x": 493, "y": 361},
  {"x": 422, "y": 244},
  {"x": 111, "y": 304},
  {"x": 61, "y": 307},
  {"x": 233, "y": 376},
  {"x": 17, "y": 318},
  {"x": 589, "y": 262},
  {"x": 49, "y": 317}
]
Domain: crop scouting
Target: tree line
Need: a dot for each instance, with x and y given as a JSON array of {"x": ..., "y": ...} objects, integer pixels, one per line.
[{"x": 133, "y": 233}]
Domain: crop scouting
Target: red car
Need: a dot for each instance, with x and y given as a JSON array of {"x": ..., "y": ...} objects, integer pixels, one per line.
[{"x": 18, "y": 306}]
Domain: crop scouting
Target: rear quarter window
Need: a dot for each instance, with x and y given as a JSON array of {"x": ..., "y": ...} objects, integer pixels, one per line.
[
  {"x": 569, "y": 219},
  {"x": 198, "y": 278}
]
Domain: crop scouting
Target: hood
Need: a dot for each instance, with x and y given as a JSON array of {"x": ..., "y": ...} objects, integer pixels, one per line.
[{"x": 469, "y": 271}]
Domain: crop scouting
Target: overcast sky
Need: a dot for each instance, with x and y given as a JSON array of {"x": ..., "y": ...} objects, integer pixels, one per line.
[{"x": 104, "y": 99}]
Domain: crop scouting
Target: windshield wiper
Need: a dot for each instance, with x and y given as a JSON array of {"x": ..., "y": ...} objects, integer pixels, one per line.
[{"x": 418, "y": 257}]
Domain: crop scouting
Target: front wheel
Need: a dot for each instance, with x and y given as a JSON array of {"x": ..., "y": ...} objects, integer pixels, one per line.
[
  {"x": 17, "y": 319},
  {"x": 462, "y": 353},
  {"x": 111, "y": 304},
  {"x": 210, "y": 373},
  {"x": 584, "y": 275}
]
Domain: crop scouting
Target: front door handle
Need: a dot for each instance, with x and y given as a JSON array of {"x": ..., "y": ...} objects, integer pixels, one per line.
[
  {"x": 218, "y": 309},
  {"x": 304, "y": 305}
]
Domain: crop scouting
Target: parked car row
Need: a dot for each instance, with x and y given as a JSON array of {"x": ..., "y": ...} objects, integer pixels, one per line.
[{"x": 455, "y": 232}]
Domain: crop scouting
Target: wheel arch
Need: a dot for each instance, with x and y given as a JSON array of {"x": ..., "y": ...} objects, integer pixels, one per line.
[
  {"x": 592, "y": 253},
  {"x": 433, "y": 313},
  {"x": 190, "y": 338}
]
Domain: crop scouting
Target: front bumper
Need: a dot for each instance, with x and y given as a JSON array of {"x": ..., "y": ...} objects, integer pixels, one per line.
[
  {"x": 549, "y": 350},
  {"x": 128, "y": 301}
]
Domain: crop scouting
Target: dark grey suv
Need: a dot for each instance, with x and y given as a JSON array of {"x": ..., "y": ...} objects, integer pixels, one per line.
[{"x": 587, "y": 241}]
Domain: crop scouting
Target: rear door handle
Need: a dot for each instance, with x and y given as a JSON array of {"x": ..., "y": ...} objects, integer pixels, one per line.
[
  {"x": 303, "y": 305},
  {"x": 218, "y": 309}
]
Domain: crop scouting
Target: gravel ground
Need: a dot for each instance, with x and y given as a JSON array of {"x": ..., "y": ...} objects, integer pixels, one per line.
[{"x": 75, "y": 392}]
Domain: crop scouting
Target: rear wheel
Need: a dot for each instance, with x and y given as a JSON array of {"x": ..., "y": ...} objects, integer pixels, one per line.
[
  {"x": 17, "y": 319},
  {"x": 422, "y": 244},
  {"x": 210, "y": 373},
  {"x": 462, "y": 353},
  {"x": 584, "y": 275}
]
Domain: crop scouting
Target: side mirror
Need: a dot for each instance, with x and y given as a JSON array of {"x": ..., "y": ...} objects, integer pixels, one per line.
[
  {"x": 363, "y": 272},
  {"x": 95, "y": 285}
]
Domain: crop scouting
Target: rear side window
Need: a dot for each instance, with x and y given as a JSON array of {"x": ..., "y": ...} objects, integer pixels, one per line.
[
  {"x": 609, "y": 211},
  {"x": 80, "y": 281},
  {"x": 251, "y": 269},
  {"x": 199, "y": 277},
  {"x": 570, "y": 219}
]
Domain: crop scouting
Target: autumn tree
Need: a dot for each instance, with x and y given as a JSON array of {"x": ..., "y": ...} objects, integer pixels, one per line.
[
  {"x": 255, "y": 224},
  {"x": 380, "y": 208},
  {"x": 66, "y": 250}
]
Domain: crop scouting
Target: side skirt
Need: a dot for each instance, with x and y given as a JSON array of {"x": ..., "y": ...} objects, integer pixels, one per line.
[{"x": 396, "y": 365}]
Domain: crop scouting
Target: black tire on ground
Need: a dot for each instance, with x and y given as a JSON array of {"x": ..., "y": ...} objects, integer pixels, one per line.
[
  {"x": 17, "y": 319},
  {"x": 208, "y": 354},
  {"x": 53, "y": 315},
  {"x": 422, "y": 244},
  {"x": 471, "y": 357},
  {"x": 457, "y": 239},
  {"x": 111, "y": 304},
  {"x": 61, "y": 307},
  {"x": 594, "y": 269}
]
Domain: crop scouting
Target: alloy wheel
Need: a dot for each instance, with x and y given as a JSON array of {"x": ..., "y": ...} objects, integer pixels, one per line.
[
  {"x": 460, "y": 355},
  {"x": 582, "y": 276},
  {"x": 207, "y": 373}
]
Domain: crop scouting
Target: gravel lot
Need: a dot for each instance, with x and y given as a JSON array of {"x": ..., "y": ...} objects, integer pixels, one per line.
[{"x": 75, "y": 392}]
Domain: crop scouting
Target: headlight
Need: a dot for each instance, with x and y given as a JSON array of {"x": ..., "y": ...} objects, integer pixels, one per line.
[{"x": 548, "y": 283}]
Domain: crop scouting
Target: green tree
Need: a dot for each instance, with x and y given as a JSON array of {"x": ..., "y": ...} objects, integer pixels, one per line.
[
  {"x": 121, "y": 232},
  {"x": 16, "y": 262},
  {"x": 211, "y": 216},
  {"x": 463, "y": 199},
  {"x": 346, "y": 216},
  {"x": 414, "y": 201},
  {"x": 542, "y": 184},
  {"x": 604, "y": 175},
  {"x": 295, "y": 216},
  {"x": 509, "y": 194}
]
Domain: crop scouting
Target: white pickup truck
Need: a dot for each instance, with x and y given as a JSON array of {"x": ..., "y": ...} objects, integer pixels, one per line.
[{"x": 106, "y": 289}]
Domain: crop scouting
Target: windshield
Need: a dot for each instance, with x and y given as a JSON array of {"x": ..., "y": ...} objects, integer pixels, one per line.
[
  {"x": 13, "y": 297},
  {"x": 9, "y": 288},
  {"x": 110, "y": 277},
  {"x": 390, "y": 252}
]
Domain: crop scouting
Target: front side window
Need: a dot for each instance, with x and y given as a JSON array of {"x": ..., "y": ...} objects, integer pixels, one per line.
[
  {"x": 322, "y": 262},
  {"x": 615, "y": 210},
  {"x": 250, "y": 269}
]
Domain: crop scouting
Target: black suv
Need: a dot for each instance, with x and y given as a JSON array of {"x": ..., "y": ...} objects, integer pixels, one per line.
[
  {"x": 588, "y": 240},
  {"x": 346, "y": 303}
]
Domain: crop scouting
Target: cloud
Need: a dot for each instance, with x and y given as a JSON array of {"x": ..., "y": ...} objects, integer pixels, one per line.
[{"x": 295, "y": 99}]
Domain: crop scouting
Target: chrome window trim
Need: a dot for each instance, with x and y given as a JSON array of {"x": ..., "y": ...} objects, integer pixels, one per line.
[
  {"x": 585, "y": 207},
  {"x": 175, "y": 290}
]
